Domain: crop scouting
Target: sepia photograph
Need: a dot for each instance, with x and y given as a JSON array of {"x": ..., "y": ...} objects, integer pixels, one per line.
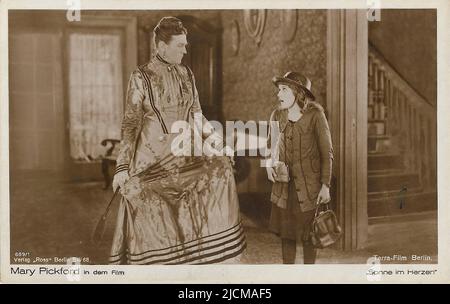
[{"x": 222, "y": 136}]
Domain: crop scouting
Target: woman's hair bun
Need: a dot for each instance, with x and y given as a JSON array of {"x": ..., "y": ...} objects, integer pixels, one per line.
[{"x": 168, "y": 27}]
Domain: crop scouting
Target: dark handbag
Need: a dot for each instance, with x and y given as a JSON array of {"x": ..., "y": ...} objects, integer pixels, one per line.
[{"x": 325, "y": 227}]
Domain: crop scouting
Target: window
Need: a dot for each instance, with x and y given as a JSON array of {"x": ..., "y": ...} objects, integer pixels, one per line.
[{"x": 95, "y": 92}]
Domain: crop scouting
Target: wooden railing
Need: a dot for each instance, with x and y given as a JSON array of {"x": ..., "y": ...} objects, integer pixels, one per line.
[{"x": 401, "y": 121}]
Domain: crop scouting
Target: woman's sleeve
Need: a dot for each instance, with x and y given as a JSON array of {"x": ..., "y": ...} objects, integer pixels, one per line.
[
  {"x": 325, "y": 147},
  {"x": 131, "y": 121},
  {"x": 196, "y": 108}
]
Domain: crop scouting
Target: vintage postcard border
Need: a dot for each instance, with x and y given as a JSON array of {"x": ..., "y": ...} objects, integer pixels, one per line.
[{"x": 241, "y": 273}]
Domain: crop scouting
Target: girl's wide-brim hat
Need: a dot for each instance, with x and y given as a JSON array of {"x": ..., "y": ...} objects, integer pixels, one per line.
[{"x": 296, "y": 79}]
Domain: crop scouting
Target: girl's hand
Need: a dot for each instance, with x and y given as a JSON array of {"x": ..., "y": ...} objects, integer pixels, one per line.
[
  {"x": 271, "y": 174},
  {"x": 324, "y": 195}
]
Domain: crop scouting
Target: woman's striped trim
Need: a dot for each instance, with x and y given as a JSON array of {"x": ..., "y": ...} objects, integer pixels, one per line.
[
  {"x": 152, "y": 102},
  {"x": 194, "y": 254},
  {"x": 215, "y": 255},
  {"x": 203, "y": 239},
  {"x": 118, "y": 171},
  {"x": 211, "y": 245},
  {"x": 121, "y": 168},
  {"x": 152, "y": 174},
  {"x": 191, "y": 79},
  {"x": 214, "y": 252},
  {"x": 210, "y": 258},
  {"x": 181, "y": 252},
  {"x": 216, "y": 259}
]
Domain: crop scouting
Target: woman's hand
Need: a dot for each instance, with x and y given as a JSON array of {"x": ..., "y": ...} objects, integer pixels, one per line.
[
  {"x": 324, "y": 195},
  {"x": 120, "y": 179},
  {"x": 227, "y": 151},
  {"x": 271, "y": 175}
]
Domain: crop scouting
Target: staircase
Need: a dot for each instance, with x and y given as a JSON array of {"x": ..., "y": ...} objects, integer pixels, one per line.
[{"x": 401, "y": 144}]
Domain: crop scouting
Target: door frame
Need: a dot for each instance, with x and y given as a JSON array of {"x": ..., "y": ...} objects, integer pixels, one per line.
[
  {"x": 347, "y": 86},
  {"x": 213, "y": 34}
]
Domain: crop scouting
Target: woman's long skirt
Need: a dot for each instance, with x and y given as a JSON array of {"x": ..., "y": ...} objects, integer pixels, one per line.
[{"x": 183, "y": 212}]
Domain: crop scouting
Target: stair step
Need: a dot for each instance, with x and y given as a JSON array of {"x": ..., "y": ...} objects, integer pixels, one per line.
[
  {"x": 376, "y": 162},
  {"x": 379, "y": 137},
  {"x": 392, "y": 182},
  {"x": 417, "y": 201},
  {"x": 376, "y": 127},
  {"x": 392, "y": 194},
  {"x": 384, "y": 172},
  {"x": 378, "y": 143},
  {"x": 376, "y": 153}
]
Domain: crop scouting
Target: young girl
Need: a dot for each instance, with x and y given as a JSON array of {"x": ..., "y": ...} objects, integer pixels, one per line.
[{"x": 305, "y": 147}]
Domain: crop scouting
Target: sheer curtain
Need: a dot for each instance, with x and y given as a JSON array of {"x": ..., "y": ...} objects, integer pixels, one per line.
[{"x": 95, "y": 92}]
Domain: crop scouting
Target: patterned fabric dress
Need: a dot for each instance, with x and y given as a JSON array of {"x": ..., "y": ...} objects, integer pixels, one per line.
[{"x": 174, "y": 209}]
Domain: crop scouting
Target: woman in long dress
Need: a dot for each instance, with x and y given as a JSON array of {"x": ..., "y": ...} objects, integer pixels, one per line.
[{"x": 174, "y": 209}]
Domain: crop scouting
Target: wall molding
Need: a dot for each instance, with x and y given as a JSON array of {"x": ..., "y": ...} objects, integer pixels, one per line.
[{"x": 254, "y": 22}]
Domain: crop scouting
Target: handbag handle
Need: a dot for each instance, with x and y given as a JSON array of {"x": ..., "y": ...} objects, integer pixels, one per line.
[{"x": 326, "y": 206}]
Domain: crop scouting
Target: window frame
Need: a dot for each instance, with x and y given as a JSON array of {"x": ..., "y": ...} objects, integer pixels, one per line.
[{"x": 127, "y": 27}]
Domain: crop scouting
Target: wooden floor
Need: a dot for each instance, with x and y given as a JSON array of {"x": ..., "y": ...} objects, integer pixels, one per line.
[{"x": 50, "y": 218}]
